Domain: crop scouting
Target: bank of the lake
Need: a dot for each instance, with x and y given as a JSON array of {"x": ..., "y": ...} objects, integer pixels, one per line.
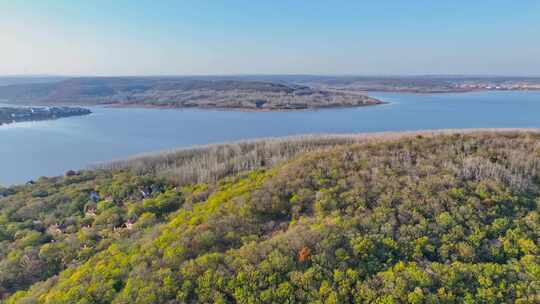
[{"x": 32, "y": 149}]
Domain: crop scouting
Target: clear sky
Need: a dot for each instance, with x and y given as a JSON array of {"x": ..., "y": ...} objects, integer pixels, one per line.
[{"x": 142, "y": 37}]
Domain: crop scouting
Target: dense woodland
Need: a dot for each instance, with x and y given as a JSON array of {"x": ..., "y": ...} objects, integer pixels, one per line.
[{"x": 423, "y": 219}]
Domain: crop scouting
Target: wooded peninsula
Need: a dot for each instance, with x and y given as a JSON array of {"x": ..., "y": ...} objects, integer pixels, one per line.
[
  {"x": 18, "y": 114},
  {"x": 178, "y": 92}
]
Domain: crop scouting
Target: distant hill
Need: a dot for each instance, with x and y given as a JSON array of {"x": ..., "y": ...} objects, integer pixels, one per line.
[
  {"x": 248, "y": 92},
  {"x": 179, "y": 92},
  {"x": 9, "y": 80}
]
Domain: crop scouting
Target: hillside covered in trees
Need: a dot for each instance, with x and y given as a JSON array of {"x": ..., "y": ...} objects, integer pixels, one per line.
[
  {"x": 180, "y": 92},
  {"x": 449, "y": 218}
]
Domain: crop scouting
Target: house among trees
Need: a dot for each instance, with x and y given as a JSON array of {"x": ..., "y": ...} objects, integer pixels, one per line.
[
  {"x": 145, "y": 192},
  {"x": 94, "y": 197},
  {"x": 54, "y": 229},
  {"x": 129, "y": 225},
  {"x": 71, "y": 173},
  {"x": 91, "y": 212}
]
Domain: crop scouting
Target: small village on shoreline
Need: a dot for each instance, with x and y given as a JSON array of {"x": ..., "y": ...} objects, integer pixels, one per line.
[{"x": 19, "y": 114}]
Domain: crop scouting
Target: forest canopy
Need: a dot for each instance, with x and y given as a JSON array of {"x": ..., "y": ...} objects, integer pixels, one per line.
[{"x": 422, "y": 219}]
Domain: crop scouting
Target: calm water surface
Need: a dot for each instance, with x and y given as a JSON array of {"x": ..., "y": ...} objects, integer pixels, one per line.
[{"x": 29, "y": 150}]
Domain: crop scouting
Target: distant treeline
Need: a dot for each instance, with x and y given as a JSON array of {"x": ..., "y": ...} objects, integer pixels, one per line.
[{"x": 213, "y": 162}]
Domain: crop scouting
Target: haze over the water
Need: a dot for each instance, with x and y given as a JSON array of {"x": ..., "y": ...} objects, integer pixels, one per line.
[{"x": 127, "y": 37}]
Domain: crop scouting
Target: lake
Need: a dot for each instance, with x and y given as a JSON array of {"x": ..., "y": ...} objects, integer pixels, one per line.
[{"x": 32, "y": 149}]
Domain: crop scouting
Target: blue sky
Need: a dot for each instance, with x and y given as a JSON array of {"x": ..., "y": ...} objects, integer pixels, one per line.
[{"x": 125, "y": 37}]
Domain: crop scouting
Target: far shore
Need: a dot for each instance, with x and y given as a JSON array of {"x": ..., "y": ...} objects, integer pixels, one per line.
[
  {"x": 216, "y": 108},
  {"x": 421, "y": 91},
  {"x": 240, "y": 109}
]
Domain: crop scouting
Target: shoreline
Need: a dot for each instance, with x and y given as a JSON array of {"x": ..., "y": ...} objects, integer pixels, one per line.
[
  {"x": 239, "y": 109},
  {"x": 173, "y": 107},
  {"x": 420, "y": 92}
]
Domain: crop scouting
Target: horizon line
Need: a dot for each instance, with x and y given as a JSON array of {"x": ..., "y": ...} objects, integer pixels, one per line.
[{"x": 261, "y": 75}]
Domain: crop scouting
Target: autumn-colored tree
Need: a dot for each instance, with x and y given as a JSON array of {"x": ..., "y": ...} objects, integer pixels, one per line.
[{"x": 303, "y": 254}]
